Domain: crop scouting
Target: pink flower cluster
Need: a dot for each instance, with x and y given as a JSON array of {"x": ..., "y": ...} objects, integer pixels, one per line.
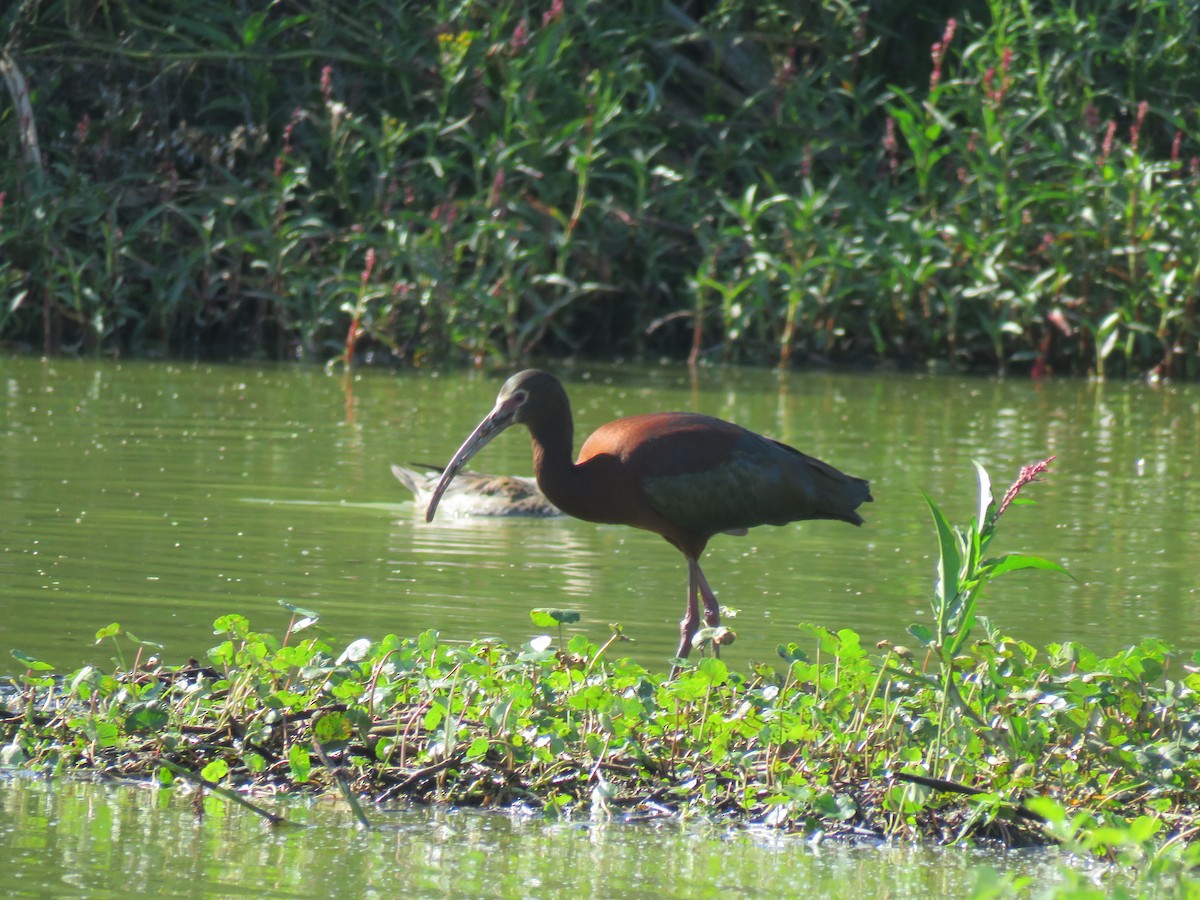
[
  {"x": 520, "y": 35},
  {"x": 995, "y": 92},
  {"x": 1136, "y": 128},
  {"x": 368, "y": 266},
  {"x": 297, "y": 115},
  {"x": 1024, "y": 477},
  {"x": 938, "y": 52}
]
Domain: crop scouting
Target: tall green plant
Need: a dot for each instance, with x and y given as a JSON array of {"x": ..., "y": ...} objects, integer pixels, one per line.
[{"x": 963, "y": 572}]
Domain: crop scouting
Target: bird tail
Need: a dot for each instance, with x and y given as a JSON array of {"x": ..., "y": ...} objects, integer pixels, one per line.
[
  {"x": 841, "y": 494},
  {"x": 407, "y": 477}
]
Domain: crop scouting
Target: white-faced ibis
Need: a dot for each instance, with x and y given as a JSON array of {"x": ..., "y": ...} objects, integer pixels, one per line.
[
  {"x": 684, "y": 476},
  {"x": 476, "y": 494}
]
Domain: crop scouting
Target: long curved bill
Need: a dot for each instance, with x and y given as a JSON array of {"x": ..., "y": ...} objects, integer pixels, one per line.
[{"x": 496, "y": 421}]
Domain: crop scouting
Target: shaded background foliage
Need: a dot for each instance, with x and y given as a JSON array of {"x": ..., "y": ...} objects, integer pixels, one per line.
[{"x": 988, "y": 184}]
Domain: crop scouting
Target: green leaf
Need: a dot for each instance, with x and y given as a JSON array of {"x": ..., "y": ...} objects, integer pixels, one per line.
[
  {"x": 1048, "y": 809},
  {"x": 30, "y": 663},
  {"x": 137, "y": 640},
  {"x": 105, "y": 733},
  {"x": 713, "y": 671},
  {"x": 478, "y": 749},
  {"x": 791, "y": 653},
  {"x": 427, "y": 642},
  {"x": 108, "y": 631},
  {"x": 949, "y": 562},
  {"x": 835, "y": 806},
  {"x": 546, "y": 618},
  {"x": 147, "y": 718},
  {"x": 333, "y": 730},
  {"x": 922, "y": 634},
  {"x": 299, "y": 610},
  {"x": 215, "y": 771},
  {"x": 222, "y": 654},
  {"x": 299, "y": 763},
  {"x": 356, "y": 651},
  {"x": 252, "y": 28},
  {"x": 1014, "y": 562},
  {"x": 233, "y": 625},
  {"x": 986, "y": 498},
  {"x": 256, "y": 763}
]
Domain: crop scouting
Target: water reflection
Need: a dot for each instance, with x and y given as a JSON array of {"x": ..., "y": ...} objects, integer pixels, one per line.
[
  {"x": 71, "y": 838},
  {"x": 162, "y": 496},
  {"x": 450, "y": 563}
]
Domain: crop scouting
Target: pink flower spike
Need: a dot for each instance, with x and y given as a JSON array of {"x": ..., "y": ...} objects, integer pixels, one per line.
[
  {"x": 1135, "y": 129},
  {"x": 890, "y": 147},
  {"x": 497, "y": 188},
  {"x": 1106, "y": 147},
  {"x": 327, "y": 82},
  {"x": 368, "y": 266},
  {"x": 1025, "y": 476},
  {"x": 520, "y": 36},
  {"x": 938, "y": 52}
]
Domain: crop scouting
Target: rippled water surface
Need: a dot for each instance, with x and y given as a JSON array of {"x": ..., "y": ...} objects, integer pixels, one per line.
[
  {"x": 161, "y": 496},
  {"x": 73, "y": 839}
]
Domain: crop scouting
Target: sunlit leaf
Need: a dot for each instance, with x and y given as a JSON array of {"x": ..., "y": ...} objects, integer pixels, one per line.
[
  {"x": 985, "y": 495},
  {"x": 299, "y": 610},
  {"x": 948, "y": 565},
  {"x": 1014, "y": 562},
  {"x": 30, "y": 663},
  {"x": 299, "y": 763},
  {"x": 356, "y": 651},
  {"x": 215, "y": 771},
  {"x": 548, "y": 618}
]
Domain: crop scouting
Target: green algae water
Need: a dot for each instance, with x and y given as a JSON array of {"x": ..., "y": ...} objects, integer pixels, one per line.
[{"x": 161, "y": 496}]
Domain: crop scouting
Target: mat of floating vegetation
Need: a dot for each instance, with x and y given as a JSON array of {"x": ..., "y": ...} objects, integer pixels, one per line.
[{"x": 832, "y": 738}]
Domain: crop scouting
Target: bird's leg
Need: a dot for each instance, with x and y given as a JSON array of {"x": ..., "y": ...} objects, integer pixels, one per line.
[
  {"x": 698, "y": 590},
  {"x": 690, "y": 623},
  {"x": 712, "y": 612}
]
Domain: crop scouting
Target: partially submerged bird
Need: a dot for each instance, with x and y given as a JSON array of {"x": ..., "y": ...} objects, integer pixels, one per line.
[
  {"x": 476, "y": 494},
  {"x": 682, "y": 475}
]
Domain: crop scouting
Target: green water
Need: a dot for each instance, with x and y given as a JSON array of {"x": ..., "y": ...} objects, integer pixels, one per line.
[
  {"x": 73, "y": 839},
  {"x": 162, "y": 496}
]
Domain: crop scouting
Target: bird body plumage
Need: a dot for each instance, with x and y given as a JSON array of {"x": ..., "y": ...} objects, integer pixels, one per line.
[{"x": 477, "y": 494}]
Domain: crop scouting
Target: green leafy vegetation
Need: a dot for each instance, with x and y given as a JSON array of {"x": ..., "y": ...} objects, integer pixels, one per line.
[{"x": 991, "y": 184}]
